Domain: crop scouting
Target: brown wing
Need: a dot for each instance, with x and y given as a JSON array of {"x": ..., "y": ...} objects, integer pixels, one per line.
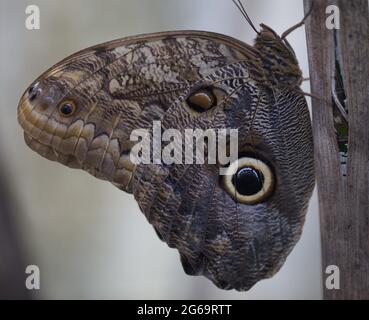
[
  {"x": 82, "y": 111},
  {"x": 118, "y": 86}
]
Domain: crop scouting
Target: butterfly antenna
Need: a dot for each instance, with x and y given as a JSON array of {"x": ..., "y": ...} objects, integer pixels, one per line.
[
  {"x": 242, "y": 9},
  {"x": 298, "y": 25}
]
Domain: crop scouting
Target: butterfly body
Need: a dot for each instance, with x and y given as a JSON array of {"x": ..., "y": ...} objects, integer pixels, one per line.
[{"x": 82, "y": 111}]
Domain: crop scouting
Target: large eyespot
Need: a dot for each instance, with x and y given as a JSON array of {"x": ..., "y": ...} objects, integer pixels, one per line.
[
  {"x": 67, "y": 108},
  {"x": 202, "y": 100},
  {"x": 249, "y": 181}
]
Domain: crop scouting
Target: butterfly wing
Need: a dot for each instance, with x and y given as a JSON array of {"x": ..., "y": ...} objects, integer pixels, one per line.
[
  {"x": 82, "y": 111},
  {"x": 232, "y": 243},
  {"x": 117, "y": 87}
]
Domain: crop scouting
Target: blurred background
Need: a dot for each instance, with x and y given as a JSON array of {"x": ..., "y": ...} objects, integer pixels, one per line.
[{"x": 89, "y": 239}]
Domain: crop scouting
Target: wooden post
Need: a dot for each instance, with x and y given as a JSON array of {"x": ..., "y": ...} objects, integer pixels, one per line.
[{"x": 343, "y": 201}]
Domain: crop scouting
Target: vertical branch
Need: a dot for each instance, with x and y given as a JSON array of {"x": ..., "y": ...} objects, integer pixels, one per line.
[
  {"x": 354, "y": 44},
  {"x": 343, "y": 200},
  {"x": 320, "y": 44}
]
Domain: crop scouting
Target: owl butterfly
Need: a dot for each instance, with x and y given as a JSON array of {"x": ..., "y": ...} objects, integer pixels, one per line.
[{"x": 234, "y": 230}]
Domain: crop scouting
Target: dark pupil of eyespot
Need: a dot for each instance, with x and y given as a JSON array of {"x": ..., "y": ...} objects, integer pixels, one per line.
[
  {"x": 66, "y": 108},
  {"x": 248, "y": 181}
]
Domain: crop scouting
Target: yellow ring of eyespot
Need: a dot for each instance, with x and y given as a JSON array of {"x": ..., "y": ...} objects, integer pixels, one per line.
[
  {"x": 256, "y": 164},
  {"x": 72, "y": 103}
]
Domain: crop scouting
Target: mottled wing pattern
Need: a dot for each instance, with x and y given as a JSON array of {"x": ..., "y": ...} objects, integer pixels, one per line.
[
  {"x": 235, "y": 245},
  {"x": 120, "y": 86},
  {"x": 82, "y": 111}
]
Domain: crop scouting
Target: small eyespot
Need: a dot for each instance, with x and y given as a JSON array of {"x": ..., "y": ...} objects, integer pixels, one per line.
[
  {"x": 252, "y": 182},
  {"x": 202, "y": 100},
  {"x": 67, "y": 108}
]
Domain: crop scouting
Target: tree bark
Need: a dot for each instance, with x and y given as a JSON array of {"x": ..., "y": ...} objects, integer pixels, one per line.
[{"x": 343, "y": 201}]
